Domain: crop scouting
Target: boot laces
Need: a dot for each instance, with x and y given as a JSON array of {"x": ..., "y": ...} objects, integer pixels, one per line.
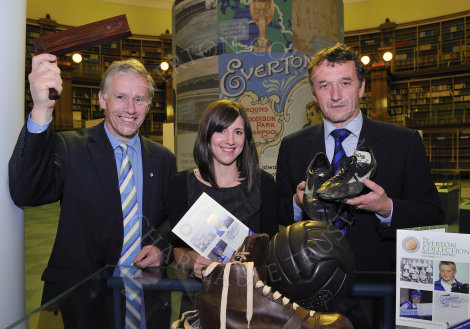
[
  {"x": 249, "y": 293},
  {"x": 240, "y": 255},
  {"x": 277, "y": 295}
]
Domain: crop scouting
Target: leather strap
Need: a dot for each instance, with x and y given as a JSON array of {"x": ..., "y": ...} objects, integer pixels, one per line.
[{"x": 295, "y": 322}]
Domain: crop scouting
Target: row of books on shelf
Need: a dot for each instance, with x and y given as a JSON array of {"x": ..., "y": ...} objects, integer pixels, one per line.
[
  {"x": 436, "y": 91},
  {"x": 441, "y": 97},
  {"x": 428, "y": 53},
  {"x": 431, "y": 31},
  {"x": 442, "y": 112},
  {"x": 453, "y": 36},
  {"x": 85, "y": 93},
  {"x": 436, "y": 40},
  {"x": 454, "y": 28},
  {"x": 81, "y": 101}
]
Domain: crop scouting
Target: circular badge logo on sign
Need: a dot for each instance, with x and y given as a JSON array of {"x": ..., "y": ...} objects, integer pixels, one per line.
[
  {"x": 410, "y": 244},
  {"x": 185, "y": 229}
]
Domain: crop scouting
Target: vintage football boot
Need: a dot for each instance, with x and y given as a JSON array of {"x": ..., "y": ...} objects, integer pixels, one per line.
[
  {"x": 348, "y": 182},
  {"x": 254, "y": 249},
  {"x": 231, "y": 298},
  {"x": 318, "y": 172}
]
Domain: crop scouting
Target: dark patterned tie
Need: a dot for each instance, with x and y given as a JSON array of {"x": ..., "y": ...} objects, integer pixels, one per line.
[
  {"x": 338, "y": 158},
  {"x": 339, "y": 135}
]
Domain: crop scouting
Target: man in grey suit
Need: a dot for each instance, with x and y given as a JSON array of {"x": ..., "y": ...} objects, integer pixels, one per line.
[{"x": 80, "y": 169}]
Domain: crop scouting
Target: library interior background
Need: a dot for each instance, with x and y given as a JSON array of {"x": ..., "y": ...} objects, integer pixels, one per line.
[{"x": 426, "y": 85}]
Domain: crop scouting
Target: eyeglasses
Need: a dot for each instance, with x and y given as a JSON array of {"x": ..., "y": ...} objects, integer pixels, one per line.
[{"x": 138, "y": 100}]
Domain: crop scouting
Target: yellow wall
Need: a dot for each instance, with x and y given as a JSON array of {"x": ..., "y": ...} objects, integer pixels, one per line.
[
  {"x": 362, "y": 14},
  {"x": 78, "y": 12},
  {"x": 359, "y": 14}
]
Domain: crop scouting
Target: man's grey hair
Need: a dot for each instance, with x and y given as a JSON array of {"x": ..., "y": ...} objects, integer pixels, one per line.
[{"x": 130, "y": 66}]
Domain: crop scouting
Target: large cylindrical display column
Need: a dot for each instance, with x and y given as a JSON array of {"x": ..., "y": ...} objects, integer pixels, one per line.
[
  {"x": 255, "y": 52},
  {"x": 12, "y": 83}
]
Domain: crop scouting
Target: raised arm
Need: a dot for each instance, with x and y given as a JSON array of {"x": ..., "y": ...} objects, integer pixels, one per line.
[{"x": 44, "y": 75}]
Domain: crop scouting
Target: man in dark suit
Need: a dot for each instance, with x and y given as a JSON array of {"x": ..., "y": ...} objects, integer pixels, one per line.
[
  {"x": 80, "y": 168},
  {"x": 400, "y": 195}
]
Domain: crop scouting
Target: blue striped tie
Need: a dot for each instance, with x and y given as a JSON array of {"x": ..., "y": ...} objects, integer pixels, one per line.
[
  {"x": 133, "y": 293},
  {"x": 339, "y": 135},
  {"x": 132, "y": 242}
]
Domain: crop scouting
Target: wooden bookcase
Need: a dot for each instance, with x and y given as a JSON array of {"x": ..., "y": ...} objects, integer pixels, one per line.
[
  {"x": 85, "y": 105},
  {"x": 405, "y": 49},
  {"x": 429, "y": 82},
  {"x": 431, "y": 102},
  {"x": 366, "y": 105},
  {"x": 86, "y": 76}
]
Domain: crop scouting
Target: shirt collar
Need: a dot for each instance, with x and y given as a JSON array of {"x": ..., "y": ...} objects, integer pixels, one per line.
[
  {"x": 354, "y": 126},
  {"x": 115, "y": 142}
]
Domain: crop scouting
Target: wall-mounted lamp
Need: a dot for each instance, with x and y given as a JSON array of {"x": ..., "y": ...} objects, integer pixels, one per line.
[
  {"x": 387, "y": 56},
  {"x": 77, "y": 58},
  {"x": 164, "y": 65},
  {"x": 384, "y": 55}
]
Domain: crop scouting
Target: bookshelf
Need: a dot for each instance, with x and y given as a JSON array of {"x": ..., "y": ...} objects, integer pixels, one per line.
[
  {"x": 433, "y": 43},
  {"x": 399, "y": 103},
  {"x": 405, "y": 49},
  {"x": 448, "y": 150},
  {"x": 85, "y": 105},
  {"x": 437, "y": 101},
  {"x": 428, "y": 43},
  {"x": 366, "y": 105},
  {"x": 429, "y": 84}
]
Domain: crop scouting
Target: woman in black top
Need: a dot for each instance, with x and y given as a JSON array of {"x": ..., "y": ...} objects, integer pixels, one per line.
[{"x": 228, "y": 171}]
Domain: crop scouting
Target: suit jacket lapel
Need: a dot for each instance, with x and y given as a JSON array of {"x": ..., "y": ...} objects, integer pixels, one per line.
[
  {"x": 318, "y": 137},
  {"x": 369, "y": 136},
  {"x": 150, "y": 176},
  {"x": 314, "y": 142},
  {"x": 102, "y": 155}
]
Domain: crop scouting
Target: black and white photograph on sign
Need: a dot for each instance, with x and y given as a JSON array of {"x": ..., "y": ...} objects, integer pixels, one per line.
[
  {"x": 416, "y": 270},
  {"x": 197, "y": 85},
  {"x": 203, "y": 240},
  {"x": 191, "y": 16}
]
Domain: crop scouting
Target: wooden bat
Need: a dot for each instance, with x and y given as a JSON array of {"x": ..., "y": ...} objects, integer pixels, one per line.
[{"x": 82, "y": 37}]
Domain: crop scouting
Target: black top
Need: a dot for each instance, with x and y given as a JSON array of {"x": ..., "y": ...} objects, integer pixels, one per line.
[{"x": 255, "y": 208}]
